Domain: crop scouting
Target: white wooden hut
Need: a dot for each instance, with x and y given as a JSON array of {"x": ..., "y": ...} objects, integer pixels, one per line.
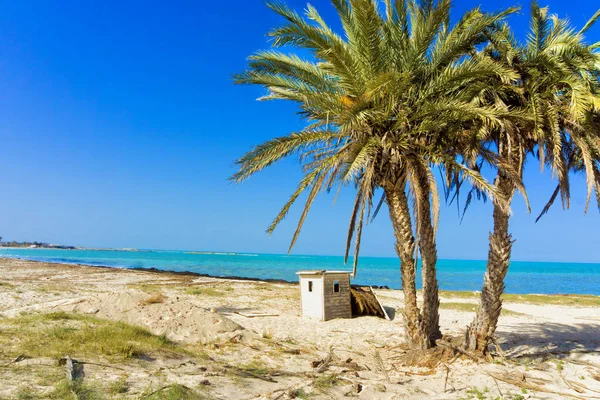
[{"x": 325, "y": 294}]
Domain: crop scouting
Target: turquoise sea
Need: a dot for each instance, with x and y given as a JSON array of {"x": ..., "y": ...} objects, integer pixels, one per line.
[{"x": 523, "y": 277}]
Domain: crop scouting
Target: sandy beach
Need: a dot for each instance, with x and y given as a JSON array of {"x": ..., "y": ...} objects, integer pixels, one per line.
[{"x": 208, "y": 346}]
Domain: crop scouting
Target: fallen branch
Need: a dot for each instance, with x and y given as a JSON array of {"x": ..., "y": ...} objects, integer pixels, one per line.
[
  {"x": 447, "y": 345},
  {"x": 257, "y": 315},
  {"x": 446, "y": 378},
  {"x": 20, "y": 357},
  {"x": 584, "y": 388},
  {"x": 578, "y": 390},
  {"x": 379, "y": 364},
  {"x": 498, "y": 386},
  {"x": 428, "y": 373},
  {"x": 529, "y": 386},
  {"x": 498, "y": 348},
  {"x": 243, "y": 373}
]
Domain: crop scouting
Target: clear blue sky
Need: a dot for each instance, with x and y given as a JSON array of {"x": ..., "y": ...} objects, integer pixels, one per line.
[{"x": 119, "y": 126}]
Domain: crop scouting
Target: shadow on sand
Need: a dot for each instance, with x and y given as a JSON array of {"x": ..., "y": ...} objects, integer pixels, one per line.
[{"x": 539, "y": 339}]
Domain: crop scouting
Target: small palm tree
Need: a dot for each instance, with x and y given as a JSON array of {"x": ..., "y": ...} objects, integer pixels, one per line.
[
  {"x": 384, "y": 105},
  {"x": 558, "y": 86}
]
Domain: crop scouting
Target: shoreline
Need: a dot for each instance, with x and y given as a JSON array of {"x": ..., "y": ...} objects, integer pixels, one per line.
[
  {"x": 271, "y": 280},
  {"x": 180, "y": 273}
]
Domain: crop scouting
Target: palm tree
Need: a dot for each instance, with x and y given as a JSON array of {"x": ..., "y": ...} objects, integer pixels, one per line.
[
  {"x": 384, "y": 105},
  {"x": 558, "y": 86}
]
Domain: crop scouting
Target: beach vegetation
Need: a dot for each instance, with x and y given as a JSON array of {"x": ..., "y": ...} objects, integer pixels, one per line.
[
  {"x": 325, "y": 382},
  {"x": 175, "y": 392},
  {"x": 65, "y": 390},
  {"x": 385, "y": 106},
  {"x": 219, "y": 291},
  {"x": 27, "y": 393},
  {"x": 119, "y": 385},
  {"x": 580, "y": 300},
  {"x": 149, "y": 288},
  {"x": 58, "y": 334},
  {"x": 155, "y": 298},
  {"x": 562, "y": 300},
  {"x": 6, "y": 285},
  {"x": 300, "y": 394},
  {"x": 254, "y": 369}
]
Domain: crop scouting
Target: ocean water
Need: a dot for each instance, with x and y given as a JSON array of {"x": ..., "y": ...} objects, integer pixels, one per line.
[{"x": 523, "y": 277}]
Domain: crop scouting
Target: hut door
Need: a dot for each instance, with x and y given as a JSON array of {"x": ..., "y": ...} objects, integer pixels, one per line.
[{"x": 312, "y": 297}]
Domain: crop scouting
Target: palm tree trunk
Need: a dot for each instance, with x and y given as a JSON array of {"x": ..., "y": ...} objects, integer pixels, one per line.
[
  {"x": 405, "y": 246},
  {"x": 482, "y": 329},
  {"x": 431, "y": 301}
]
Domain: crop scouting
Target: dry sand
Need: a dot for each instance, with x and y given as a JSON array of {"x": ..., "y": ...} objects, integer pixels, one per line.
[{"x": 552, "y": 351}]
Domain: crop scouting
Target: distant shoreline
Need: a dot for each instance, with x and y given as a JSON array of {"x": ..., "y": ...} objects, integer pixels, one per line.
[{"x": 155, "y": 270}]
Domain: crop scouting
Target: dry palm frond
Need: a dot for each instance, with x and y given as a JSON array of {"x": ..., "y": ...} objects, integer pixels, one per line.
[{"x": 364, "y": 302}]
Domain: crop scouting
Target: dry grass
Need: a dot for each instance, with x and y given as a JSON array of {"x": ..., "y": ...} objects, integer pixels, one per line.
[
  {"x": 149, "y": 288},
  {"x": 210, "y": 291},
  {"x": 155, "y": 298},
  {"x": 564, "y": 300},
  {"x": 175, "y": 392},
  {"x": 325, "y": 382},
  {"x": 57, "y": 334}
]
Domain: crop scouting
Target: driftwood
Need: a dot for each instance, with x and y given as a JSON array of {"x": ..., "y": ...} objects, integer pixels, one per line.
[
  {"x": 257, "y": 315},
  {"x": 324, "y": 364}
]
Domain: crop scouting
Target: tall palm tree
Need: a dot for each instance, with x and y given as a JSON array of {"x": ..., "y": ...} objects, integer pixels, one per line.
[
  {"x": 384, "y": 105},
  {"x": 558, "y": 86}
]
